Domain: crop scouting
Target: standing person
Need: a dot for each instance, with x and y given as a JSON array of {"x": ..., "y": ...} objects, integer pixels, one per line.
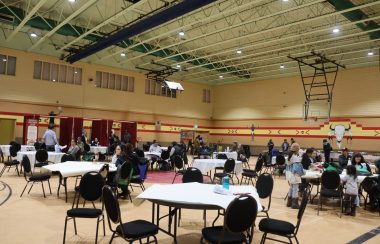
[
  {"x": 126, "y": 137},
  {"x": 294, "y": 171},
  {"x": 270, "y": 146},
  {"x": 234, "y": 147},
  {"x": 352, "y": 190},
  {"x": 190, "y": 147},
  {"x": 84, "y": 136},
  {"x": 50, "y": 138},
  {"x": 292, "y": 141},
  {"x": 285, "y": 147},
  {"x": 327, "y": 150},
  {"x": 113, "y": 138},
  {"x": 344, "y": 158}
]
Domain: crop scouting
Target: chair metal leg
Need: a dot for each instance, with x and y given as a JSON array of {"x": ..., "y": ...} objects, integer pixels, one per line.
[
  {"x": 64, "y": 231},
  {"x": 295, "y": 237},
  {"x": 24, "y": 189},
  {"x": 2, "y": 170},
  {"x": 31, "y": 187},
  {"x": 49, "y": 186},
  {"x": 75, "y": 226},
  {"x": 113, "y": 236},
  {"x": 43, "y": 189},
  {"x": 319, "y": 204},
  {"x": 290, "y": 240},
  {"x": 104, "y": 226},
  {"x": 263, "y": 238},
  {"x": 175, "y": 176},
  {"x": 97, "y": 230}
]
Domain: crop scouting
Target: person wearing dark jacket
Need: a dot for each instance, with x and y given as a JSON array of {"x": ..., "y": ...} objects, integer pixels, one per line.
[
  {"x": 344, "y": 158},
  {"x": 307, "y": 159},
  {"x": 360, "y": 163},
  {"x": 270, "y": 146},
  {"x": 327, "y": 150}
]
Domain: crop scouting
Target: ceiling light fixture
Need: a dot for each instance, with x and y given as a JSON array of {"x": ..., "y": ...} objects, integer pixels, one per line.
[
  {"x": 285, "y": 0},
  {"x": 34, "y": 35},
  {"x": 122, "y": 54},
  {"x": 178, "y": 66},
  {"x": 282, "y": 66},
  {"x": 335, "y": 30},
  {"x": 238, "y": 52},
  {"x": 220, "y": 76},
  {"x": 4, "y": 60},
  {"x": 370, "y": 53},
  {"x": 72, "y": 1},
  {"x": 181, "y": 33},
  {"x": 75, "y": 72}
]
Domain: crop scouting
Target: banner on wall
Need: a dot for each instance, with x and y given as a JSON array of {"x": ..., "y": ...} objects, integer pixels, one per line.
[{"x": 31, "y": 134}]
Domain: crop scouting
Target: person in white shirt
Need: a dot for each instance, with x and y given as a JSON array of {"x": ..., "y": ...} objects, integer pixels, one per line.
[
  {"x": 155, "y": 148},
  {"x": 50, "y": 138}
]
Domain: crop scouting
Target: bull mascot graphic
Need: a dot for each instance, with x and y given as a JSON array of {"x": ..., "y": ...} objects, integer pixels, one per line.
[{"x": 340, "y": 131}]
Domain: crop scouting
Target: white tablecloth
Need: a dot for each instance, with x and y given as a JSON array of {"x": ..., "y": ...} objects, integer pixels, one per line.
[
  {"x": 316, "y": 175},
  {"x": 24, "y": 148},
  {"x": 205, "y": 165},
  {"x": 52, "y": 156},
  {"x": 98, "y": 149},
  {"x": 75, "y": 168},
  {"x": 196, "y": 193},
  {"x": 367, "y": 157},
  {"x": 232, "y": 155},
  {"x": 150, "y": 154}
]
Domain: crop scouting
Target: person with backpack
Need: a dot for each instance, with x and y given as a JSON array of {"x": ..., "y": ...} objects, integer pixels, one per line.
[{"x": 294, "y": 171}]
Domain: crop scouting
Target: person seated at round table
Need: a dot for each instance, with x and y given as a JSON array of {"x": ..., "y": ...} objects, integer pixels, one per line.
[
  {"x": 344, "y": 158},
  {"x": 235, "y": 147},
  {"x": 73, "y": 149},
  {"x": 204, "y": 151},
  {"x": 155, "y": 148},
  {"x": 241, "y": 154},
  {"x": 95, "y": 142},
  {"x": 360, "y": 163},
  {"x": 307, "y": 158}
]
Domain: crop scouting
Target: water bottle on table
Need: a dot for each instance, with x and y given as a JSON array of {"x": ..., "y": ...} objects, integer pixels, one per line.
[{"x": 226, "y": 182}]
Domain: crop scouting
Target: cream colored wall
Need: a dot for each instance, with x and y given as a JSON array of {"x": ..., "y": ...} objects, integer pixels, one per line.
[
  {"x": 24, "y": 88},
  {"x": 356, "y": 93}
]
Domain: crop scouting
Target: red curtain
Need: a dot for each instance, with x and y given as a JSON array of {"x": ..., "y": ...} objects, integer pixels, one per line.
[
  {"x": 77, "y": 127},
  {"x": 131, "y": 127},
  {"x": 101, "y": 129},
  {"x": 26, "y": 124},
  {"x": 65, "y": 131}
]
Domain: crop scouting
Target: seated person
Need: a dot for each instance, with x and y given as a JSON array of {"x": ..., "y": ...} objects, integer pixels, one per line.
[
  {"x": 80, "y": 144},
  {"x": 74, "y": 148},
  {"x": 95, "y": 142},
  {"x": 155, "y": 148},
  {"x": 204, "y": 151},
  {"x": 360, "y": 163},
  {"x": 241, "y": 154},
  {"x": 344, "y": 158},
  {"x": 235, "y": 147},
  {"x": 307, "y": 159}
]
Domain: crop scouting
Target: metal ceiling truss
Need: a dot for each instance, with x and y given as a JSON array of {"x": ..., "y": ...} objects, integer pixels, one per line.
[{"x": 275, "y": 40}]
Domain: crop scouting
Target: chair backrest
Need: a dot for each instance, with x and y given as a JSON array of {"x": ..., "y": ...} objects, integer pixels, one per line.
[
  {"x": 165, "y": 154},
  {"x": 247, "y": 151},
  {"x": 90, "y": 186},
  {"x": 111, "y": 204},
  {"x": 229, "y": 165},
  {"x": 126, "y": 170},
  {"x": 104, "y": 170},
  {"x": 221, "y": 156},
  {"x": 192, "y": 175},
  {"x": 178, "y": 162},
  {"x": 42, "y": 155},
  {"x": 264, "y": 185},
  {"x": 301, "y": 210},
  {"x": 37, "y": 145},
  {"x": 240, "y": 214},
  {"x": 25, "y": 162},
  {"x": 14, "y": 148},
  {"x": 67, "y": 157},
  {"x": 143, "y": 168},
  {"x": 101, "y": 157},
  {"x": 280, "y": 160},
  {"x": 259, "y": 164},
  {"x": 330, "y": 180}
]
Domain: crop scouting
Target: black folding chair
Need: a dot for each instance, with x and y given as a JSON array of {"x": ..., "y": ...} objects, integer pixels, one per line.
[
  {"x": 281, "y": 227},
  {"x": 192, "y": 175},
  {"x": 264, "y": 186},
  {"x": 280, "y": 164},
  {"x": 90, "y": 189},
  {"x": 67, "y": 157},
  {"x": 129, "y": 231},
  {"x": 248, "y": 175},
  {"x": 178, "y": 166},
  {"x": 33, "y": 178},
  {"x": 139, "y": 180},
  {"x": 228, "y": 170},
  {"x": 41, "y": 158},
  {"x": 330, "y": 188},
  {"x": 239, "y": 222},
  {"x": 11, "y": 161}
]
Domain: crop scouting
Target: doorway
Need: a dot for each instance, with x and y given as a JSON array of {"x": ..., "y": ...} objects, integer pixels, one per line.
[{"x": 7, "y": 130}]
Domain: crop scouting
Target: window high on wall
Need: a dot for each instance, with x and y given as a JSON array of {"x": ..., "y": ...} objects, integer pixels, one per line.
[
  {"x": 57, "y": 73},
  {"x": 114, "y": 81},
  {"x": 154, "y": 88},
  {"x": 206, "y": 96},
  {"x": 7, "y": 65}
]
